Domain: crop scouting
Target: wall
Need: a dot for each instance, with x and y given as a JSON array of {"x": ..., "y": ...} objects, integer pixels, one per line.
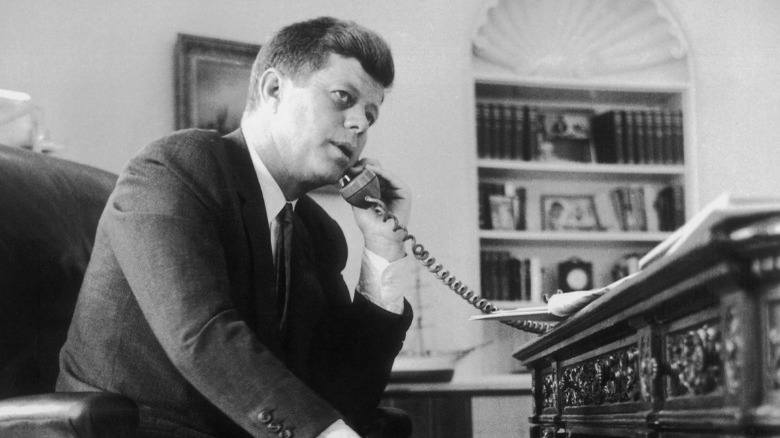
[
  {"x": 103, "y": 71},
  {"x": 734, "y": 45}
]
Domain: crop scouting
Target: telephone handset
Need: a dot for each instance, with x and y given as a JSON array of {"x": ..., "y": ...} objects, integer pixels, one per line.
[{"x": 363, "y": 191}]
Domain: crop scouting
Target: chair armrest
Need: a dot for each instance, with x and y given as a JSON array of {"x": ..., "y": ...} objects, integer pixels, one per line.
[{"x": 69, "y": 414}]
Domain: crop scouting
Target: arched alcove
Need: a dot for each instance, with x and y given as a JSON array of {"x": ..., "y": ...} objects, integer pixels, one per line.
[
  {"x": 631, "y": 41},
  {"x": 578, "y": 58}
]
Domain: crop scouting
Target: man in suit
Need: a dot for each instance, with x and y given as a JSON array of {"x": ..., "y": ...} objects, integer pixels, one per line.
[{"x": 211, "y": 303}]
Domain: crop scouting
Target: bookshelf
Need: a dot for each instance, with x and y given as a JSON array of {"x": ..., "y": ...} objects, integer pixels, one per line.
[
  {"x": 621, "y": 214},
  {"x": 582, "y": 156}
]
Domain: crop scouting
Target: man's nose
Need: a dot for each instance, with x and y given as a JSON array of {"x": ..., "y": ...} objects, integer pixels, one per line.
[{"x": 356, "y": 120}]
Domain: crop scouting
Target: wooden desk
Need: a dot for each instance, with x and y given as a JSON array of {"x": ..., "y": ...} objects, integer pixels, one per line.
[
  {"x": 690, "y": 347},
  {"x": 486, "y": 407}
]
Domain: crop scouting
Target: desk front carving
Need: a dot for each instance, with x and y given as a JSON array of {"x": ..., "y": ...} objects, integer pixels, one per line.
[{"x": 690, "y": 347}]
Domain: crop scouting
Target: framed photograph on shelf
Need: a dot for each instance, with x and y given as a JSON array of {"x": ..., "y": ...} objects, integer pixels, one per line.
[
  {"x": 566, "y": 136},
  {"x": 212, "y": 79},
  {"x": 570, "y": 124},
  {"x": 569, "y": 212}
]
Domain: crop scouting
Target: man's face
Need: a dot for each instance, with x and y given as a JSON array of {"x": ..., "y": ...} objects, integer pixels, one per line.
[{"x": 321, "y": 123}]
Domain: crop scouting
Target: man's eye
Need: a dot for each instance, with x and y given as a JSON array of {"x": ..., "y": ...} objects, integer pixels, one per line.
[
  {"x": 371, "y": 118},
  {"x": 343, "y": 97}
]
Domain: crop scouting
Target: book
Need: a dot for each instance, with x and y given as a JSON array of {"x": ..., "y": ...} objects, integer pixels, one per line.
[
  {"x": 605, "y": 212},
  {"x": 677, "y": 138},
  {"x": 651, "y": 215},
  {"x": 630, "y": 137},
  {"x": 486, "y": 189},
  {"x": 608, "y": 141},
  {"x": 698, "y": 230},
  {"x": 520, "y": 207},
  {"x": 495, "y": 134},
  {"x": 482, "y": 126}
]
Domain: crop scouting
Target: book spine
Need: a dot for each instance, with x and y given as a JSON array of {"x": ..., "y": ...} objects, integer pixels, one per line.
[
  {"x": 515, "y": 283},
  {"x": 658, "y": 130},
  {"x": 638, "y": 207},
  {"x": 650, "y": 138},
  {"x": 677, "y": 137},
  {"x": 520, "y": 196},
  {"x": 481, "y": 131},
  {"x": 640, "y": 137},
  {"x": 630, "y": 136},
  {"x": 604, "y": 138},
  {"x": 525, "y": 280},
  {"x": 616, "y": 195},
  {"x": 679, "y": 205},
  {"x": 496, "y": 134},
  {"x": 508, "y": 138},
  {"x": 650, "y": 194},
  {"x": 668, "y": 146},
  {"x": 618, "y": 135}
]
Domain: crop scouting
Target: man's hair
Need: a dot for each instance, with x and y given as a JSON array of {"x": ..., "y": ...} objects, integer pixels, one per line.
[{"x": 305, "y": 47}]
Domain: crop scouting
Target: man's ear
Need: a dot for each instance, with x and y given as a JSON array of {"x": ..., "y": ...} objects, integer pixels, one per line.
[{"x": 270, "y": 87}]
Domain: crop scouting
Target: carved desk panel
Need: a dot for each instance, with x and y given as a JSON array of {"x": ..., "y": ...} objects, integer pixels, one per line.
[{"x": 688, "y": 347}]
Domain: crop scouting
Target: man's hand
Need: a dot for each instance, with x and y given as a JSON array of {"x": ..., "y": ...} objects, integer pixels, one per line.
[{"x": 379, "y": 236}]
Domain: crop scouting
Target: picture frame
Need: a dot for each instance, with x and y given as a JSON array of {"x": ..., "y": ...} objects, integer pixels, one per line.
[
  {"x": 566, "y": 135},
  {"x": 569, "y": 213},
  {"x": 212, "y": 80},
  {"x": 569, "y": 124}
]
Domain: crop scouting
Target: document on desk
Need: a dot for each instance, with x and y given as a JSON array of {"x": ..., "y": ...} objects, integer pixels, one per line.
[
  {"x": 558, "y": 307},
  {"x": 698, "y": 230}
]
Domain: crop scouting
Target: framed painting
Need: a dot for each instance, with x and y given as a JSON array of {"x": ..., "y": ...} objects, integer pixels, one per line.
[{"x": 212, "y": 79}]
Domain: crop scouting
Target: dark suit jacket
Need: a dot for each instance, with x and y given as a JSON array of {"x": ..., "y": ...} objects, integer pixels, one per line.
[{"x": 178, "y": 310}]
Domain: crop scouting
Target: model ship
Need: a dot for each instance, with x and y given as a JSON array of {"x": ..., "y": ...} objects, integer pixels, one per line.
[{"x": 417, "y": 362}]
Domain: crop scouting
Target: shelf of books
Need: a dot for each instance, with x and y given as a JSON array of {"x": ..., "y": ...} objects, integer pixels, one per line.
[{"x": 586, "y": 177}]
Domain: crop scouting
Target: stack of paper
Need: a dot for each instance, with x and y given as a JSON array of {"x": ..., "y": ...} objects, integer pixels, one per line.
[{"x": 698, "y": 230}]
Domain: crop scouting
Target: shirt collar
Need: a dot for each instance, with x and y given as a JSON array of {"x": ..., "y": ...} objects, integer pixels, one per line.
[{"x": 273, "y": 197}]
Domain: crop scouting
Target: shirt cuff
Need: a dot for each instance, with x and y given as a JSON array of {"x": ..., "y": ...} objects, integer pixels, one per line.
[
  {"x": 337, "y": 430},
  {"x": 383, "y": 282}
]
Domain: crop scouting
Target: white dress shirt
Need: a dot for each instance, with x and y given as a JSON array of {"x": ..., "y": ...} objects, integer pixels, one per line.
[{"x": 381, "y": 281}]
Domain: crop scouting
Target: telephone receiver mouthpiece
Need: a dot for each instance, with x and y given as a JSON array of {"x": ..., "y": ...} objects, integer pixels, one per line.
[{"x": 355, "y": 190}]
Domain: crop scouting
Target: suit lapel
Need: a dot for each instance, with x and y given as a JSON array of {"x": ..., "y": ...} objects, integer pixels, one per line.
[{"x": 255, "y": 226}]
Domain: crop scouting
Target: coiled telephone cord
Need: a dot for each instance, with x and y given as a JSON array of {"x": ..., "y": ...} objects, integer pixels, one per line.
[{"x": 455, "y": 285}]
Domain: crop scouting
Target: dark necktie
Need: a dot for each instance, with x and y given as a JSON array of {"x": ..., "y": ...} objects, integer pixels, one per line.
[{"x": 282, "y": 262}]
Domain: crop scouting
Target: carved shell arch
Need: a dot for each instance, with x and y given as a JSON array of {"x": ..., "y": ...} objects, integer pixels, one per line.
[{"x": 581, "y": 39}]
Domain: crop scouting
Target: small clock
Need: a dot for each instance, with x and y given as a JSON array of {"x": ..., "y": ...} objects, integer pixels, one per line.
[{"x": 575, "y": 274}]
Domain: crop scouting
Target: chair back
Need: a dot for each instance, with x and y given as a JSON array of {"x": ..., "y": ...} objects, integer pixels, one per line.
[{"x": 49, "y": 210}]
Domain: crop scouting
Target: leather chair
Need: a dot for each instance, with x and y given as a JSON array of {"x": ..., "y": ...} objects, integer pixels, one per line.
[{"x": 49, "y": 209}]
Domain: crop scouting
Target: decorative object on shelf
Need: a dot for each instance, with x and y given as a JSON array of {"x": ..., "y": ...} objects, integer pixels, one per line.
[
  {"x": 569, "y": 212},
  {"x": 211, "y": 78},
  {"x": 566, "y": 136},
  {"x": 22, "y": 123},
  {"x": 501, "y": 206},
  {"x": 625, "y": 266},
  {"x": 502, "y": 214},
  {"x": 582, "y": 39},
  {"x": 575, "y": 274},
  {"x": 418, "y": 361}
]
